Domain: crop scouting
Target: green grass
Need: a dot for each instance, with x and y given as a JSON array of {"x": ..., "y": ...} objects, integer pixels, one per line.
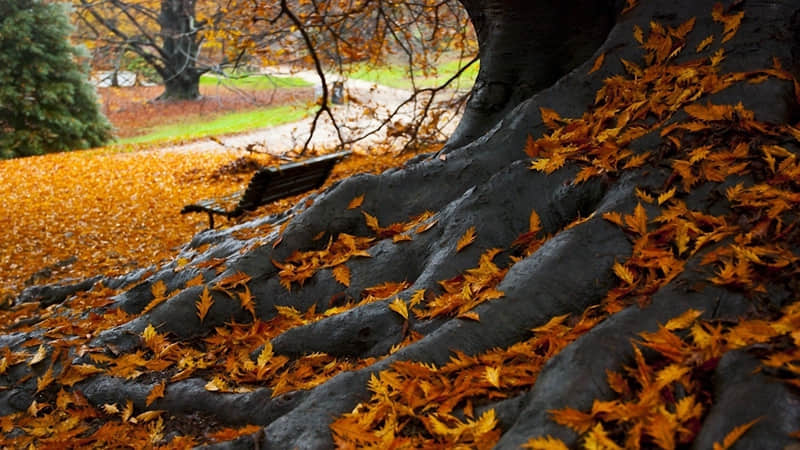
[
  {"x": 226, "y": 124},
  {"x": 254, "y": 82},
  {"x": 397, "y": 76}
]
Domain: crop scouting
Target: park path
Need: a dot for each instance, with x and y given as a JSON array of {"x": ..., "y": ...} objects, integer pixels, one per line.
[{"x": 368, "y": 106}]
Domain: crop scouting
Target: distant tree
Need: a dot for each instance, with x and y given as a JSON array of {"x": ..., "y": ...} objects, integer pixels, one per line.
[
  {"x": 167, "y": 34},
  {"x": 46, "y": 101}
]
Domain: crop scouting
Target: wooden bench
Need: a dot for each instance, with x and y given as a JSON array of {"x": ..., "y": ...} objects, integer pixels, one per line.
[{"x": 269, "y": 184}]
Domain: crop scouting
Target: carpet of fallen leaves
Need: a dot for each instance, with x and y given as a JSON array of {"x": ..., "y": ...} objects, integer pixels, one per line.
[
  {"x": 77, "y": 214},
  {"x": 415, "y": 405},
  {"x": 133, "y": 110}
]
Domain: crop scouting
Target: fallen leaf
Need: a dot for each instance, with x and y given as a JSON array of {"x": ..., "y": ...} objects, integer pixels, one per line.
[
  {"x": 155, "y": 393},
  {"x": 356, "y": 202},
  {"x": 466, "y": 239}
]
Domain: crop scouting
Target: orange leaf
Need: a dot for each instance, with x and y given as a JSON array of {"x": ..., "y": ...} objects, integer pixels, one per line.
[
  {"x": 545, "y": 443},
  {"x": 734, "y": 435},
  {"x": 196, "y": 281},
  {"x": 342, "y": 274},
  {"x": 624, "y": 273},
  {"x": 467, "y": 239},
  {"x": 45, "y": 380},
  {"x": 470, "y": 315},
  {"x": 550, "y": 117},
  {"x": 534, "y": 224},
  {"x": 613, "y": 217},
  {"x": 204, "y": 304},
  {"x": 356, "y": 202},
  {"x": 156, "y": 393},
  {"x": 637, "y": 222},
  {"x": 705, "y": 43},
  {"x": 372, "y": 222},
  {"x": 246, "y": 298},
  {"x": 598, "y": 63},
  {"x": 578, "y": 421},
  {"x": 158, "y": 289}
]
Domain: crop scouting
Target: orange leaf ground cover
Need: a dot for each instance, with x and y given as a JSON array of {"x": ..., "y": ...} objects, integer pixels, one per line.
[{"x": 72, "y": 215}]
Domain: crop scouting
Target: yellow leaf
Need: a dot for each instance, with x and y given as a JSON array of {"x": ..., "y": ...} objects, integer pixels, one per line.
[
  {"x": 485, "y": 423},
  {"x": 666, "y": 196},
  {"x": 204, "y": 304},
  {"x": 683, "y": 321},
  {"x": 545, "y": 443},
  {"x": 467, "y": 239},
  {"x": 417, "y": 298},
  {"x": 128, "y": 411},
  {"x": 399, "y": 307},
  {"x": 110, "y": 408},
  {"x": 623, "y": 273},
  {"x": 597, "y": 439},
  {"x": 671, "y": 374},
  {"x": 598, "y": 63},
  {"x": 217, "y": 385},
  {"x": 342, "y": 274},
  {"x": 156, "y": 393},
  {"x": 265, "y": 355},
  {"x": 492, "y": 375},
  {"x": 40, "y": 354},
  {"x": 356, "y": 202},
  {"x": 644, "y": 196},
  {"x": 734, "y": 435}
]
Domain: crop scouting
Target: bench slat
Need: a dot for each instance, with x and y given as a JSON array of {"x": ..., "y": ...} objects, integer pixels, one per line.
[{"x": 270, "y": 184}]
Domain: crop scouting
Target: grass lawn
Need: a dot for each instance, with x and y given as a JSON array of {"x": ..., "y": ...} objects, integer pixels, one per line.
[
  {"x": 253, "y": 82},
  {"x": 397, "y": 76},
  {"x": 229, "y": 123}
]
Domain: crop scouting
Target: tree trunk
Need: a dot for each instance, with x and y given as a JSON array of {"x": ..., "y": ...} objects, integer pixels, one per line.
[
  {"x": 181, "y": 47},
  {"x": 525, "y": 46},
  {"x": 593, "y": 258}
]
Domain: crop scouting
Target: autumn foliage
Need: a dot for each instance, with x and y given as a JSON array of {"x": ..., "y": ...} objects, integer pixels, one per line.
[{"x": 749, "y": 241}]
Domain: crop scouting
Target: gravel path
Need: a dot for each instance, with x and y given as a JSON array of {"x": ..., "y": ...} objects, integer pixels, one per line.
[{"x": 368, "y": 106}]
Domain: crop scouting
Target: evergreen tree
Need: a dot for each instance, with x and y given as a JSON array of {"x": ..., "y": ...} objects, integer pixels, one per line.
[{"x": 46, "y": 102}]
